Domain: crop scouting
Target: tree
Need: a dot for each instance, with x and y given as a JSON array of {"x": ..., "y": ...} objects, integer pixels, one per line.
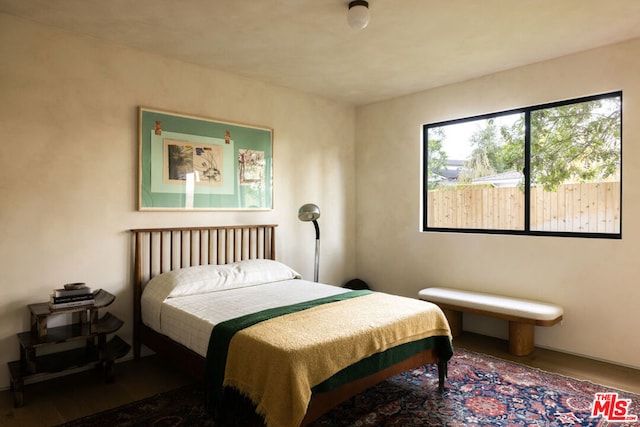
[
  {"x": 476, "y": 167},
  {"x": 575, "y": 142},
  {"x": 485, "y": 158},
  {"x": 436, "y": 156}
]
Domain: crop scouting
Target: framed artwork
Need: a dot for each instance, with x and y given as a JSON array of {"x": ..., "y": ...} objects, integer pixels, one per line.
[{"x": 197, "y": 163}]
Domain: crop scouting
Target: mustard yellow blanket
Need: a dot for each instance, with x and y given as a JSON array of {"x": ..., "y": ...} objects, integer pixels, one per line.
[{"x": 276, "y": 362}]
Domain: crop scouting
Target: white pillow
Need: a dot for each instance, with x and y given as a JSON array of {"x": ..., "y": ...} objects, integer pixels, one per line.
[{"x": 213, "y": 278}]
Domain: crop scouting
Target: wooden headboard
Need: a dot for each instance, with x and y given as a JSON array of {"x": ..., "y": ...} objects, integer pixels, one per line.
[{"x": 157, "y": 250}]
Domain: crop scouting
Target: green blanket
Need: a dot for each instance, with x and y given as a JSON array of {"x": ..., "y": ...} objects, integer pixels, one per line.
[
  {"x": 384, "y": 359},
  {"x": 222, "y": 333},
  {"x": 428, "y": 328}
]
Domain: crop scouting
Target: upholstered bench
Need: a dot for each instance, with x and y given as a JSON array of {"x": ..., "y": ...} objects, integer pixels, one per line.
[{"x": 523, "y": 315}]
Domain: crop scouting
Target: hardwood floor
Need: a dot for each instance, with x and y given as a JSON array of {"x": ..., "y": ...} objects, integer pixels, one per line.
[
  {"x": 66, "y": 398},
  {"x": 63, "y": 399}
]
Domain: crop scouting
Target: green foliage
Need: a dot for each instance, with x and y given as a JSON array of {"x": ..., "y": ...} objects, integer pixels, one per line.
[
  {"x": 436, "y": 156},
  {"x": 576, "y": 142},
  {"x": 487, "y": 143},
  {"x": 477, "y": 166}
]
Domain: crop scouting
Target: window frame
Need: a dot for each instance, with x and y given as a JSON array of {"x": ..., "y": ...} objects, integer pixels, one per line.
[{"x": 526, "y": 171}]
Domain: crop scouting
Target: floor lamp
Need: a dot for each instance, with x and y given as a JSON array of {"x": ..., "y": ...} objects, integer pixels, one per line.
[{"x": 311, "y": 212}]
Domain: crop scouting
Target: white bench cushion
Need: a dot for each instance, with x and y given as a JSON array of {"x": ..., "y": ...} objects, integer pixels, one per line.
[{"x": 493, "y": 303}]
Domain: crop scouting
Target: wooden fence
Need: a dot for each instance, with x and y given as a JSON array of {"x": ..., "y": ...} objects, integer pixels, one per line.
[{"x": 590, "y": 207}]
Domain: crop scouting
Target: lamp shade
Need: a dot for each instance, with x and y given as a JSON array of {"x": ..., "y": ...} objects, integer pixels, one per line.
[
  {"x": 358, "y": 14},
  {"x": 308, "y": 212}
]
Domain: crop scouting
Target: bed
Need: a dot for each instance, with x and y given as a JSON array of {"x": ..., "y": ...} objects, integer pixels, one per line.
[{"x": 276, "y": 314}]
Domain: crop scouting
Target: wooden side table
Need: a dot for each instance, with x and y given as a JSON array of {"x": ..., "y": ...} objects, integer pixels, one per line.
[{"x": 87, "y": 326}]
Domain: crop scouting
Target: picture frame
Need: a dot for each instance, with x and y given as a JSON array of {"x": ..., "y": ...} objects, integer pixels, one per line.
[{"x": 194, "y": 163}]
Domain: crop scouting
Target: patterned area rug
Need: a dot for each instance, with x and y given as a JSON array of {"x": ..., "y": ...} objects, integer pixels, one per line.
[{"x": 481, "y": 391}]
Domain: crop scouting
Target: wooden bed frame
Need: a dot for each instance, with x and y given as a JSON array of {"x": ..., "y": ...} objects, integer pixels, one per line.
[{"x": 157, "y": 250}]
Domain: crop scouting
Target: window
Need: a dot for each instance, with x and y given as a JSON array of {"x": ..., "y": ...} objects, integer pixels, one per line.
[{"x": 551, "y": 169}]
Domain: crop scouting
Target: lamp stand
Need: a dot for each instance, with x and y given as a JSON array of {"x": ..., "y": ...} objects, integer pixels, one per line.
[
  {"x": 311, "y": 212},
  {"x": 317, "y": 259}
]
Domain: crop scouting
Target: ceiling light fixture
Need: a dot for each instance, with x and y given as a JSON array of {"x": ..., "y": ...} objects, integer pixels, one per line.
[{"x": 358, "y": 15}]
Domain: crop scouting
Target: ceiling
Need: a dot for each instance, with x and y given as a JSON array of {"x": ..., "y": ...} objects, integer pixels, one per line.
[{"x": 409, "y": 45}]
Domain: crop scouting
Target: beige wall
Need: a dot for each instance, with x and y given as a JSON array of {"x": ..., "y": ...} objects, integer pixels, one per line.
[
  {"x": 596, "y": 281},
  {"x": 68, "y": 168}
]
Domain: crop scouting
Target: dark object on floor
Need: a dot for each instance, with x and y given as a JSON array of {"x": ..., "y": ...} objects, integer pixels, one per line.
[
  {"x": 481, "y": 390},
  {"x": 356, "y": 284}
]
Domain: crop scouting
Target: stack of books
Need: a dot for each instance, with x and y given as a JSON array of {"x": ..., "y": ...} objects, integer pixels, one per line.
[{"x": 72, "y": 295}]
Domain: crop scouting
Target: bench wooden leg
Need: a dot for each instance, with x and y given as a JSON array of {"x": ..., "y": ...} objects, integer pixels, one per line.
[
  {"x": 455, "y": 321},
  {"x": 521, "y": 338}
]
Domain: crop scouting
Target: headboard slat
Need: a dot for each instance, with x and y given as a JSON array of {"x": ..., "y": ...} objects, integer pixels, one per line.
[{"x": 158, "y": 250}]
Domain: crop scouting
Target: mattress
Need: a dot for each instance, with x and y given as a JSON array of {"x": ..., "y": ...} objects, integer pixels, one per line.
[{"x": 190, "y": 319}]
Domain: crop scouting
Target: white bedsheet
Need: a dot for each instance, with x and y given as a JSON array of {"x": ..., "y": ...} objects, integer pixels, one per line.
[{"x": 189, "y": 320}]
